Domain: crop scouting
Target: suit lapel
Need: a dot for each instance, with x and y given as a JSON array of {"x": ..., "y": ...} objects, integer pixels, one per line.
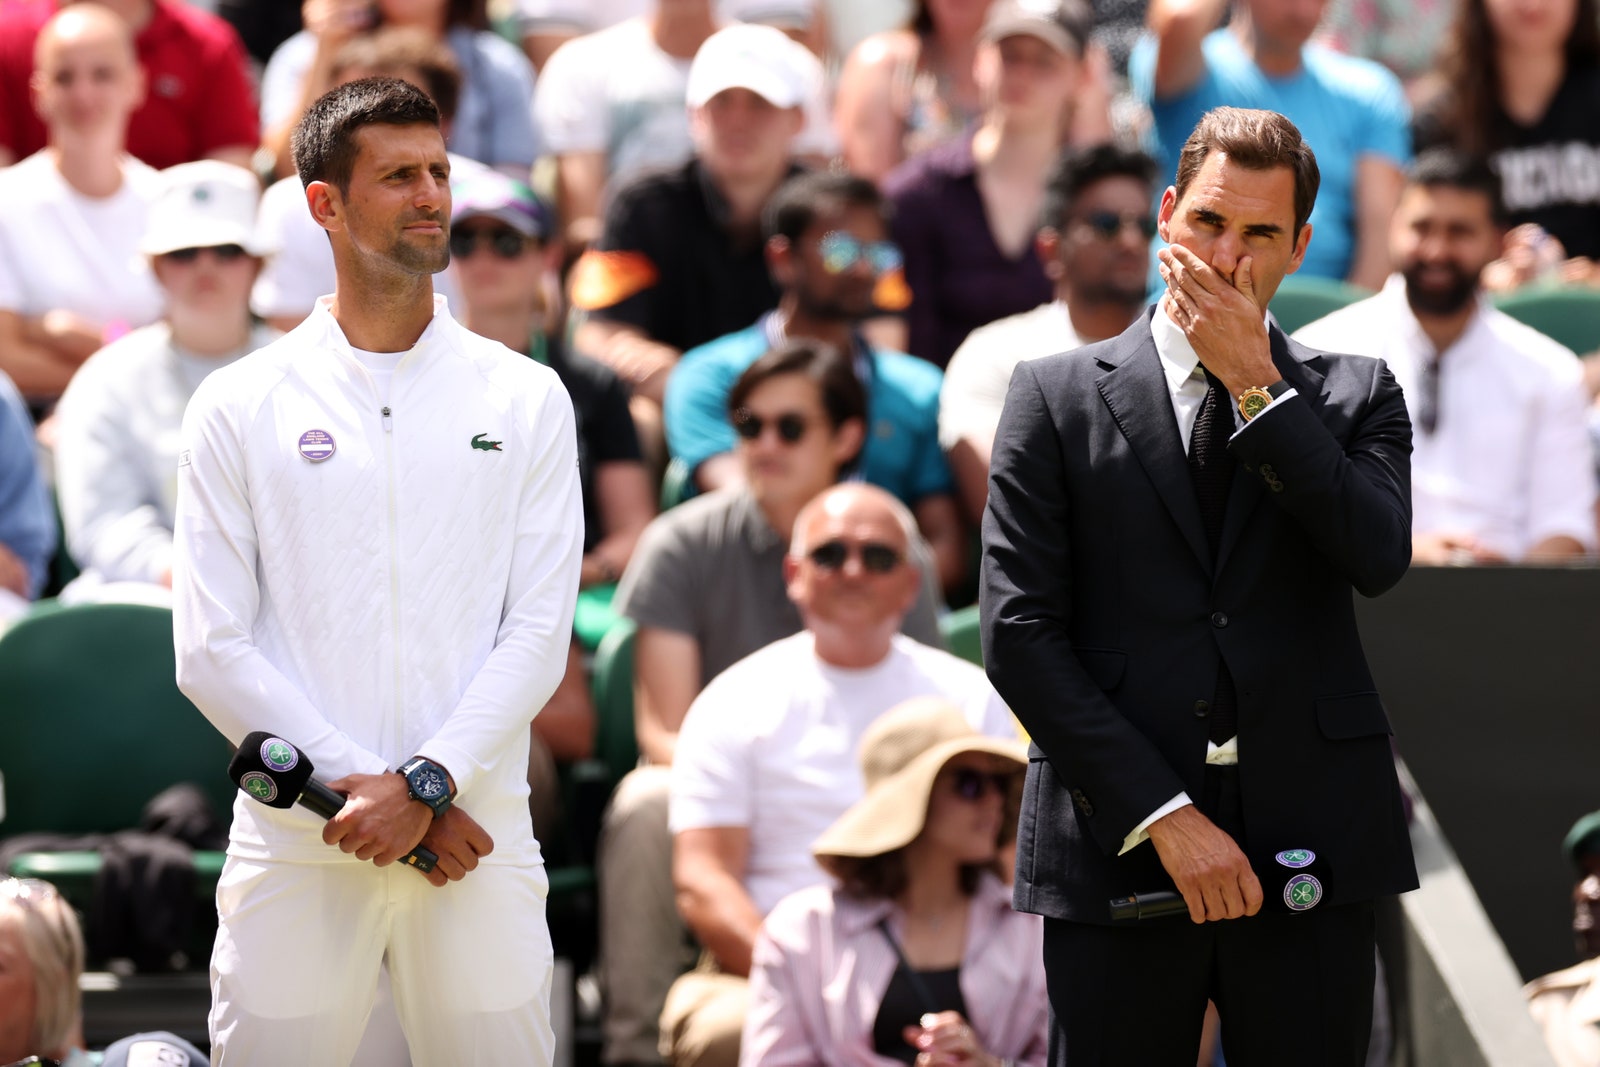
[
  {"x": 1247, "y": 489},
  {"x": 1136, "y": 392}
]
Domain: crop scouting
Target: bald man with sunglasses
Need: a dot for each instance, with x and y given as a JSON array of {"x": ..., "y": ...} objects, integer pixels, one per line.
[{"x": 766, "y": 756}]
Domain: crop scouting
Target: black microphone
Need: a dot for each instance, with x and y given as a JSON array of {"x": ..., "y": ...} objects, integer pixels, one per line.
[
  {"x": 1155, "y": 905},
  {"x": 1293, "y": 880},
  {"x": 273, "y": 771}
]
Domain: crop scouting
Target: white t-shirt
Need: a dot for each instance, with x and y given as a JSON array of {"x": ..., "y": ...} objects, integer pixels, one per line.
[
  {"x": 771, "y": 745},
  {"x": 615, "y": 91},
  {"x": 61, "y": 249},
  {"x": 1509, "y": 461},
  {"x": 979, "y": 373}
]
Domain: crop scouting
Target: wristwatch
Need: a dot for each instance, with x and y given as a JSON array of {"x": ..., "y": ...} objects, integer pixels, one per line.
[
  {"x": 1254, "y": 400},
  {"x": 429, "y": 783}
]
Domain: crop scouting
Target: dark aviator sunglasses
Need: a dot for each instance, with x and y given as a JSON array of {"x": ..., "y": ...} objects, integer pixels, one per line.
[{"x": 876, "y": 557}]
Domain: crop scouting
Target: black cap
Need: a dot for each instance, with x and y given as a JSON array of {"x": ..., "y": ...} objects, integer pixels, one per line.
[{"x": 270, "y": 770}]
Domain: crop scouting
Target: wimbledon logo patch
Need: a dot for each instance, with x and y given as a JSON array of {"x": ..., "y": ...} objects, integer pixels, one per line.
[
  {"x": 279, "y": 754},
  {"x": 1296, "y": 857},
  {"x": 261, "y": 786},
  {"x": 1302, "y": 893}
]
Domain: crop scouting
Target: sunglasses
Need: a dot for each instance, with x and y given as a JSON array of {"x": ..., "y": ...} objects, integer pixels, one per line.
[
  {"x": 876, "y": 557},
  {"x": 840, "y": 252},
  {"x": 1108, "y": 225},
  {"x": 224, "y": 253},
  {"x": 501, "y": 240},
  {"x": 790, "y": 426},
  {"x": 969, "y": 784}
]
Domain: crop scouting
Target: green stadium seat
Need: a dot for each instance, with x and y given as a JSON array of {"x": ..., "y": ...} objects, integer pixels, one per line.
[
  {"x": 1301, "y": 300},
  {"x": 615, "y": 744},
  {"x": 594, "y": 616},
  {"x": 676, "y": 485},
  {"x": 960, "y": 632},
  {"x": 92, "y": 726},
  {"x": 1568, "y": 314}
]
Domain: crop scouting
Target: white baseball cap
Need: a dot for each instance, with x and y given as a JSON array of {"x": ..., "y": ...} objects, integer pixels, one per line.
[
  {"x": 762, "y": 59},
  {"x": 203, "y": 205}
]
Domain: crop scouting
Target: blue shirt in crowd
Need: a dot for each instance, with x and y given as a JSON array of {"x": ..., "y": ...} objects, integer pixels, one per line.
[
  {"x": 901, "y": 454},
  {"x": 27, "y": 526},
  {"x": 1345, "y": 108}
]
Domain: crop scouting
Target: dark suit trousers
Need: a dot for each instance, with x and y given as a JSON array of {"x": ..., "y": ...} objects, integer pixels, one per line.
[{"x": 1289, "y": 988}]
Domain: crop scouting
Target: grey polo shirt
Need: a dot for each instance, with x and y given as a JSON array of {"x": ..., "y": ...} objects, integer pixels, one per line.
[{"x": 712, "y": 568}]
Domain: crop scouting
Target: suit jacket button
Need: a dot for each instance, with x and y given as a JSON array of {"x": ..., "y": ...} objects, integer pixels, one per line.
[
  {"x": 1201, "y": 709},
  {"x": 1219, "y": 619}
]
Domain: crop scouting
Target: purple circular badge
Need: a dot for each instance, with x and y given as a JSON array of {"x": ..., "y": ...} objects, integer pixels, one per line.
[{"x": 316, "y": 445}]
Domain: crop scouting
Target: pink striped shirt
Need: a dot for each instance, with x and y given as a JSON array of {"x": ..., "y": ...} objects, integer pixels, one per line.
[{"x": 821, "y": 967}]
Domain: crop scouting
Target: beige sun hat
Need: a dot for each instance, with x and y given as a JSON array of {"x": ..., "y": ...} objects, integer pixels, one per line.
[{"x": 901, "y": 754}]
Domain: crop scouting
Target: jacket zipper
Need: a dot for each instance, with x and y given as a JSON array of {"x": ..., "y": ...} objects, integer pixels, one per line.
[{"x": 394, "y": 577}]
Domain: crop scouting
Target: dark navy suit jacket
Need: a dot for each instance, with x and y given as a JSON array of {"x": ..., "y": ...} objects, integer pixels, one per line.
[{"x": 1104, "y": 617}]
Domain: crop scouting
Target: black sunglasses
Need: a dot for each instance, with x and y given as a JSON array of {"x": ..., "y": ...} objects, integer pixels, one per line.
[
  {"x": 790, "y": 426},
  {"x": 969, "y": 784},
  {"x": 224, "y": 253},
  {"x": 1108, "y": 225},
  {"x": 501, "y": 240},
  {"x": 876, "y": 557}
]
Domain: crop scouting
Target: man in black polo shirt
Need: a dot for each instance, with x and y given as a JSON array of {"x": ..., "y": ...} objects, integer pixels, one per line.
[{"x": 680, "y": 259}]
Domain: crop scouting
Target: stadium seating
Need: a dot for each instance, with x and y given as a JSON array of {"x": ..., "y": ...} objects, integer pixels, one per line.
[
  {"x": 1302, "y": 299},
  {"x": 676, "y": 485},
  {"x": 960, "y": 632},
  {"x": 1569, "y": 314},
  {"x": 615, "y": 744}
]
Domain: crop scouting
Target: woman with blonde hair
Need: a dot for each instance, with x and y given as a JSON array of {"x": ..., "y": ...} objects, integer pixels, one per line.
[{"x": 915, "y": 955}]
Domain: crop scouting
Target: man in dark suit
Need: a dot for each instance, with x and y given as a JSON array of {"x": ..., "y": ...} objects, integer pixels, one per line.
[{"x": 1176, "y": 520}]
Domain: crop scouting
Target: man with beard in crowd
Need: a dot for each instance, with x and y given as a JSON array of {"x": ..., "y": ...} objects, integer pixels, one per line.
[{"x": 1502, "y": 470}]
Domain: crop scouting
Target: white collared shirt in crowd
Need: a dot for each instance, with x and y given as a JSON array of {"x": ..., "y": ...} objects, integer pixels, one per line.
[{"x": 1509, "y": 461}]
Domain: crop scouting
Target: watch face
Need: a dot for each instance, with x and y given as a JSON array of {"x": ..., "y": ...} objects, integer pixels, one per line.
[
  {"x": 428, "y": 783},
  {"x": 1254, "y": 403}
]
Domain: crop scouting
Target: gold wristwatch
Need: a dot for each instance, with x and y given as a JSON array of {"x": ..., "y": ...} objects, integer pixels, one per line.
[{"x": 1254, "y": 400}]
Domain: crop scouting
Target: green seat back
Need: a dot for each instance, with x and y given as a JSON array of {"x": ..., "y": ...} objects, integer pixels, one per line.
[
  {"x": 1301, "y": 300},
  {"x": 1568, "y": 314},
  {"x": 615, "y": 744},
  {"x": 594, "y": 616},
  {"x": 960, "y": 632},
  {"x": 676, "y": 485},
  {"x": 92, "y": 724}
]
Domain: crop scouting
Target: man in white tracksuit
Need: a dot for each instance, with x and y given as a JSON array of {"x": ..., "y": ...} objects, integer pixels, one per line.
[{"x": 377, "y": 543}]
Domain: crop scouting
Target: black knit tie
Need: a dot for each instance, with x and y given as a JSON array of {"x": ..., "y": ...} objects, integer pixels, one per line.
[{"x": 1211, "y": 469}]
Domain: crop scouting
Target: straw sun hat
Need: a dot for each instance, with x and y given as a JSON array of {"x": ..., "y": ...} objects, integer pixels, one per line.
[{"x": 901, "y": 755}]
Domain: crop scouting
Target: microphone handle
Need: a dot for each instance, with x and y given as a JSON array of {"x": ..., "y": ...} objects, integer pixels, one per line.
[
  {"x": 326, "y": 803},
  {"x": 1155, "y": 905}
]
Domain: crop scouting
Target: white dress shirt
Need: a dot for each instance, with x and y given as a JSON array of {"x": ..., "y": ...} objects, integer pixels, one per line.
[
  {"x": 1509, "y": 461},
  {"x": 1186, "y": 384}
]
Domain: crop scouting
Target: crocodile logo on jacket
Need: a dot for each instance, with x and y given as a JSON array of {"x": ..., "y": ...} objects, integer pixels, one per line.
[{"x": 478, "y": 442}]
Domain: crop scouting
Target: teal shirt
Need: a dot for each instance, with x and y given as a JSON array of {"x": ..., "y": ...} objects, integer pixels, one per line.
[{"x": 901, "y": 454}]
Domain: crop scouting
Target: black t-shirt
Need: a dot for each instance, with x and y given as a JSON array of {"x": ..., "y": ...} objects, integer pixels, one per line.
[
  {"x": 905, "y": 1002},
  {"x": 1549, "y": 171},
  {"x": 706, "y": 284},
  {"x": 605, "y": 428}
]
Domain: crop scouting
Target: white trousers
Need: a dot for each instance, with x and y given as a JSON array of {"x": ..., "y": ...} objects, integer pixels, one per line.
[{"x": 295, "y": 969}]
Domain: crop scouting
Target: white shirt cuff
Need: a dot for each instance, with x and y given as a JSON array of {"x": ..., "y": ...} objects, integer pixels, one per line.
[{"x": 1141, "y": 833}]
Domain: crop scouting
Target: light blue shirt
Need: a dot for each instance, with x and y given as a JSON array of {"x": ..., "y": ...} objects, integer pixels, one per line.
[
  {"x": 1345, "y": 107},
  {"x": 901, "y": 453},
  {"x": 27, "y": 524}
]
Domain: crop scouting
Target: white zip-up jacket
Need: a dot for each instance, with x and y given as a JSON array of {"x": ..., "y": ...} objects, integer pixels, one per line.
[{"x": 411, "y": 593}]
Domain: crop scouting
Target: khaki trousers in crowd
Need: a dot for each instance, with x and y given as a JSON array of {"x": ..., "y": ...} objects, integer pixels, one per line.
[{"x": 704, "y": 1018}]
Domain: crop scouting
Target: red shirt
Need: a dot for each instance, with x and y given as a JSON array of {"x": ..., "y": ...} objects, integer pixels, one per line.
[{"x": 199, "y": 96}]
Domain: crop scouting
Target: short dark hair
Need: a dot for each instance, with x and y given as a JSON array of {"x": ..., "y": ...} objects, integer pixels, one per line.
[
  {"x": 1450, "y": 168},
  {"x": 1078, "y": 169},
  {"x": 795, "y": 205},
  {"x": 1256, "y": 140},
  {"x": 324, "y": 139},
  {"x": 885, "y": 877},
  {"x": 843, "y": 396},
  {"x": 392, "y": 48}
]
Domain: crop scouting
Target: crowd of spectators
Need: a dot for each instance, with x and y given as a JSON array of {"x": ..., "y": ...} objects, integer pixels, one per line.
[{"x": 793, "y": 272}]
